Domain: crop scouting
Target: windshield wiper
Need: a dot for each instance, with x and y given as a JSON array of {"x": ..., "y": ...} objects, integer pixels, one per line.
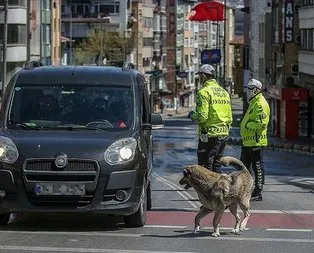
[
  {"x": 73, "y": 128},
  {"x": 27, "y": 126}
]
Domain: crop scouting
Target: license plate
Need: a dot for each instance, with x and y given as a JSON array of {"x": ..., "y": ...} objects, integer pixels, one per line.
[{"x": 60, "y": 189}]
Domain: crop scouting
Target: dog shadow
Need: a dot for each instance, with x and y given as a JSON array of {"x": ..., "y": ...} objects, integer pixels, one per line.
[{"x": 187, "y": 234}]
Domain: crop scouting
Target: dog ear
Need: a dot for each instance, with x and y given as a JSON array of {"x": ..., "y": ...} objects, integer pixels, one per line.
[{"x": 186, "y": 172}]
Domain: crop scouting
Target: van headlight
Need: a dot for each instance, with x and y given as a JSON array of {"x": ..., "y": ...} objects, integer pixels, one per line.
[
  {"x": 8, "y": 150},
  {"x": 121, "y": 151}
]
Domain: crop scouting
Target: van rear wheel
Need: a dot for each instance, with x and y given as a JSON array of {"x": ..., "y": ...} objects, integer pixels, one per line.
[
  {"x": 138, "y": 219},
  {"x": 4, "y": 218}
]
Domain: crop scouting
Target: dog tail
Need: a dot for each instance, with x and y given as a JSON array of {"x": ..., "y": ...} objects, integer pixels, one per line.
[{"x": 234, "y": 162}]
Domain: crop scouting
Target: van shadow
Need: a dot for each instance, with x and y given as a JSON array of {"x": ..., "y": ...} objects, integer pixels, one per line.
[{"x": 64, "y": 222}]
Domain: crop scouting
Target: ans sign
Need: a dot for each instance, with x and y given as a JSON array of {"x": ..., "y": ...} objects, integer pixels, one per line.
[{"x": 289, "y": 21}]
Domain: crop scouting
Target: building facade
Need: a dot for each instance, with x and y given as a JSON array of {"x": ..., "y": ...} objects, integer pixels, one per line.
[
  {"x": 288, "y": 96},
  {"x": 306, "y": 60},
  {"x": 80, "y": 17},
  {"x": 16, "y": 53}
]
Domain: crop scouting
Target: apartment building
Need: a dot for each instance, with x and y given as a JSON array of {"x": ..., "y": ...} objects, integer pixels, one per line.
[
  {"x": 80, "y": 17},
  {"x": 16, "y": 53},
  {"x": 306, "y": 60}
]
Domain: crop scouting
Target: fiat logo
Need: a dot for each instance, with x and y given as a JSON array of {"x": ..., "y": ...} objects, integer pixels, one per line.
[{"x": 61, "y": 161}]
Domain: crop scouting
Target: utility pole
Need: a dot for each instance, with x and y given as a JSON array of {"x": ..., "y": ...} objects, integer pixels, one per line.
[
  {"x": 101, "y": 43},
  {"x": 4, "y": 47},
  {"x": 28, "y": 28},
  {"x": 70, "y": 53},
  {"x": 225, "y": 41}
]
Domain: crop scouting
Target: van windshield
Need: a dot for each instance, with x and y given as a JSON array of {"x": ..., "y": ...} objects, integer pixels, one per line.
[{"x": 72, "y": 107}]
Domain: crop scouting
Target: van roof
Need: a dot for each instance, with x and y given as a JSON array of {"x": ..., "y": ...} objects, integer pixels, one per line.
[{"x": 94, "y": 75}]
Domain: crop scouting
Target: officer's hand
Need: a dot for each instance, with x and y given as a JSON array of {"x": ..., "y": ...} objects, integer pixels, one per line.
[{"x": 191, "y": 114}]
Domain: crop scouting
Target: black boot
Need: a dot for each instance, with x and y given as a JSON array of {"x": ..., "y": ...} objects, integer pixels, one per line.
[{"x": 256, "y": 195}]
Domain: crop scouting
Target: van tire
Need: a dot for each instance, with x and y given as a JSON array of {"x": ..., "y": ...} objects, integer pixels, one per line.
[
  {"x": 138, "y": 219},
  {"x": 4, "y": 219}
]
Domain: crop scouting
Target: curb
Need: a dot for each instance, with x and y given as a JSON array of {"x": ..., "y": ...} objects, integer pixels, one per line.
[{"x": 297, "y": 148}]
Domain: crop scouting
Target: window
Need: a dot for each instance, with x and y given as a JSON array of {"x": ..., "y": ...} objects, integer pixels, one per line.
[
  {"x": 307, "y": 39},
  {"x": 148, "y": 22},
  {"x": 147, "y": 42},
  {"x": 307, "y": 2},
  {"x": 21, "y": 3},
  {"x": 16, "y": 34},
  {"x": 46, "y": 34},
  {"x": 146, "y": 62},
  {"x": 46, "y": 4}
]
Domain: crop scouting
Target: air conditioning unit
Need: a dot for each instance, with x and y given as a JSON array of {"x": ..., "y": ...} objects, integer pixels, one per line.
[
  {"x": 292, "y": 80},
  {"x": 295, "y": 69}
]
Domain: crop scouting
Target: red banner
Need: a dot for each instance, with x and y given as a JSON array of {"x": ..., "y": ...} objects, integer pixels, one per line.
[{"x": 212, "y": 11}]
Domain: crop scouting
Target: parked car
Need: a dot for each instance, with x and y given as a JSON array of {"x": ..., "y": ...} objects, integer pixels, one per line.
[{"x": 77, "y": 139}]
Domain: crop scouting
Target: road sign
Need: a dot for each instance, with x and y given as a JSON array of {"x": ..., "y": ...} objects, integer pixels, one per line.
[{"x": 210, "y": 56}]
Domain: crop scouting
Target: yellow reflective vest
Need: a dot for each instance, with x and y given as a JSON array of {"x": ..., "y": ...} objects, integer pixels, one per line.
[
  {"x": 213, "y": 110},
  {"x": 253, "y": 128}
]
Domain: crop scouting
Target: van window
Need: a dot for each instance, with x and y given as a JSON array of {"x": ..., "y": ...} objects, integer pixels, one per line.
[{"x": 76, "y": 105}]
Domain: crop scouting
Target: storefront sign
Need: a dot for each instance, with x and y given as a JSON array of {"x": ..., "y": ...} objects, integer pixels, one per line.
[
  {"x": 295, "y": 94},
  {"x": 289, "y": 21}
]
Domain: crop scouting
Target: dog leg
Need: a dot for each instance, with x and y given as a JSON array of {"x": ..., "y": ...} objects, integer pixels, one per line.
[
  {"x": 234, "y": 210},
  {"x": 217, "y": 218},
  {"x": 201, "y": 214},
  {"x": 245, "y": 206}
]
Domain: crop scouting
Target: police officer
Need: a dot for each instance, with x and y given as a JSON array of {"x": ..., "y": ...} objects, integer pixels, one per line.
[
  {"x": 214, "y": 117},
  {"x": 253, "y": 130}
]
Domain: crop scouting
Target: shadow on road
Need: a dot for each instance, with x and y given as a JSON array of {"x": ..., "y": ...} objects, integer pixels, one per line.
[{"x": 64, "y": 222}]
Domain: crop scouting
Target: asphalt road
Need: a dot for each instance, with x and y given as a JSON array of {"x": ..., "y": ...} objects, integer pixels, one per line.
[{"x": 282, "y": 222}]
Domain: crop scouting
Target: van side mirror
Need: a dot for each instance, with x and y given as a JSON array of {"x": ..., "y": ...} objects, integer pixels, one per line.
[{"x": 156, "y": 121}]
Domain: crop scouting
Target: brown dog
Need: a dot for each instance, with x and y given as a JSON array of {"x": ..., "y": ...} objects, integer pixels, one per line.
[{"x": 218, "y": 192}]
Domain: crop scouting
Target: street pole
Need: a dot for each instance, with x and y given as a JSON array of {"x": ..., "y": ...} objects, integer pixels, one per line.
[
  {"x": 4, "y": 47},
  {"x": 225, "y": 41},
  {"x": 101, "y": 44},
  {"x": 70, "y": 53},
  {"x": 28, "y": 28}
]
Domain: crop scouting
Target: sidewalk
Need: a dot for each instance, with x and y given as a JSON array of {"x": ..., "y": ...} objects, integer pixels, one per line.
[{"x": 303, "y": 145}]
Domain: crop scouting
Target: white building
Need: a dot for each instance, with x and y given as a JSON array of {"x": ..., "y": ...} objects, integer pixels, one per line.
[
  {"x": 306, "y": 54},
  {"x": 17, "y": 36},
  {"x": 258, "y": 10}
]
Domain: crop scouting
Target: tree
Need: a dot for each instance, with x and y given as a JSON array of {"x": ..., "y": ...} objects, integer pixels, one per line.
[{"x": 107, "y": 44}]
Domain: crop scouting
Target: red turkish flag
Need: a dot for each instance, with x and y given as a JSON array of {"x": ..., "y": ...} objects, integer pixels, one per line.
[{"x": 212, "y": 11}]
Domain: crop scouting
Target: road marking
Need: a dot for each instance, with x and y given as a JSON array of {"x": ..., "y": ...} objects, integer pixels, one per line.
[
  {"x": 290, "y": 212},
  {"x": 165, "y": 226},
  {"x": 183, "y": 194},
  {"x": 84, "y": 250},
  {"x": 289, "y": 229},
  {"x": 256, "y": 239}
]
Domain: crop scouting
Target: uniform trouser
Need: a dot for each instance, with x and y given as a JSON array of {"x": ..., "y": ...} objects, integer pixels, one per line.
[
  {"x": 209, "y": 153},
  {"x": 253, "y": 159}
]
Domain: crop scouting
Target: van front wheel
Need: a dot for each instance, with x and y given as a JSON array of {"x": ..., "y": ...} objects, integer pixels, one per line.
[{"x": 138, "y": 219}]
